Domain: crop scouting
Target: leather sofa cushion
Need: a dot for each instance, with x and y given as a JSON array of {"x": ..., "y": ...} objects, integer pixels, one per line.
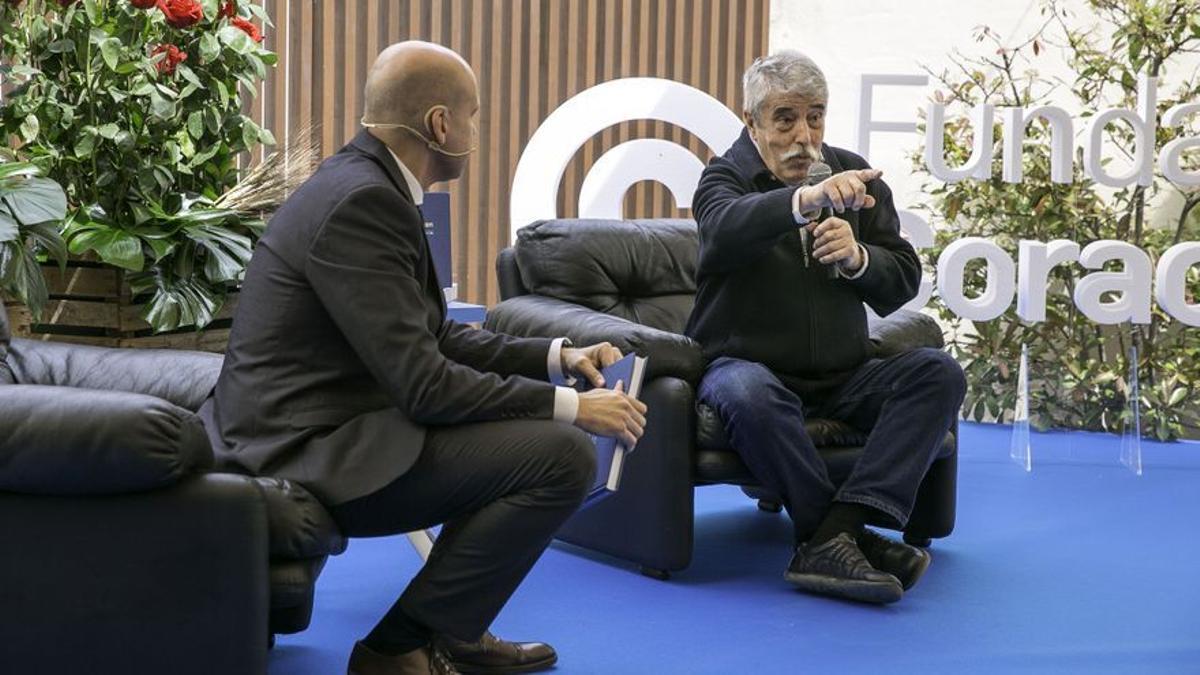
[
  {"x": 903, "y": 331},
  {"x": 184, "y": 378},
  {"x": 6, "y": 376},
  {"x": 725, "y": 466},
  {"x": 710, "y": 431},
  {"x": 66, "y": 441},
  {"x": 299, "y": 525},
  {"x": 640, "y": 270}
]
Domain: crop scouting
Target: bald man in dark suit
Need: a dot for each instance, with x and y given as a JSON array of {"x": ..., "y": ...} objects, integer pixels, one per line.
[{"x": 344, "y": 374}]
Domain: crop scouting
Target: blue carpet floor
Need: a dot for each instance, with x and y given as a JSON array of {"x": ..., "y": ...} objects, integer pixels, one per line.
[{"x": 1077, "y": 567}]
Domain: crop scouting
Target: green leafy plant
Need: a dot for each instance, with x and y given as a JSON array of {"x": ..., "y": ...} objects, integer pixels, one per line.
[
  {"x": 1078, "y": 369},
  {"x": 135, "y": 108},
  {"x": 31, "y": 208}
]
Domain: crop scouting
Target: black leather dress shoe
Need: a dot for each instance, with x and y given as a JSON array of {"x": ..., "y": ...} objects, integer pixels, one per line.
[
  {"x": 906, "y": 563},
  {"x": 423, "y": 661},
  {"x": 838, "y": 568},
  {"x": 492, "y": 655}
]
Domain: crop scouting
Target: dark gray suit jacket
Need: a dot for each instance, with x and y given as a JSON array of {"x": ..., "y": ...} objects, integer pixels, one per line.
[{"x": 341, "y": 353}]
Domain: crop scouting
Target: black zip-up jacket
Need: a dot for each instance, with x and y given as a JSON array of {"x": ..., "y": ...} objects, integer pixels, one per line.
[{"x": 757, "y": 300}]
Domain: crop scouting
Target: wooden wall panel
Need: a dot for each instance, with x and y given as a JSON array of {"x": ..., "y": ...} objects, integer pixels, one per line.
[{"x": 530, "y": 56}]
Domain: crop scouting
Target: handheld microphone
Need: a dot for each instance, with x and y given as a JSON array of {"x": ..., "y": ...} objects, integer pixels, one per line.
[{"x": 817, "y": 173}]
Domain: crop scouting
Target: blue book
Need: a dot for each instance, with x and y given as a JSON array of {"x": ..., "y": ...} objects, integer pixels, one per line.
[
  {"x": 610, "y": 452},
  {"x": 437, "y": 232}
]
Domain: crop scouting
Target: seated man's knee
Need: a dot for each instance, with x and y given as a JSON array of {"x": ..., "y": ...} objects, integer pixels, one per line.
[
  {"x": 734, "y": 386},
  {"x": 572, "y": 458},
  {"x": 945, "y": 371}
]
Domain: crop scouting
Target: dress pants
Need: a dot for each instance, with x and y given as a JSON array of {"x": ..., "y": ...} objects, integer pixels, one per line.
[
  {"x": 905, "y": 403},
  {"x": 501, "y": 489}
]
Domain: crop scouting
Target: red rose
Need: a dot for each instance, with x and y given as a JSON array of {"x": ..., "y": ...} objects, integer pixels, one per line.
[
  {"x": 181, "y": 13},
  {"x": 249, "y": 28},
  {"x": 174, "y": 56},
  {"x": 144, "y": 4},
  {"x": 228, "y": 10}
]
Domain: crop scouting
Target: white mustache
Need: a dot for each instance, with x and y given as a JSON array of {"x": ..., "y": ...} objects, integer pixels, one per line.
[{"x": 809, "y": 153}]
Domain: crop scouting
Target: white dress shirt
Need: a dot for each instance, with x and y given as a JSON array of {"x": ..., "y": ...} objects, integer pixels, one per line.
[{"x": 566, "y": 399}]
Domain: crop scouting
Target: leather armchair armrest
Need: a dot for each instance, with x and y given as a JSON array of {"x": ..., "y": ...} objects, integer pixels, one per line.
[
  {"x": 65, "y": 441},
  {"x": 904, "y": 331},
  {"x": 300, "y": 527},
  {"x": 669, "y": 354},
  {"x": 168, "y": 581}
]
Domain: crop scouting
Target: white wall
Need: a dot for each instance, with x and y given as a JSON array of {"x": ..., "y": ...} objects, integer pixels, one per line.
[{"x": 848, "y": 39}]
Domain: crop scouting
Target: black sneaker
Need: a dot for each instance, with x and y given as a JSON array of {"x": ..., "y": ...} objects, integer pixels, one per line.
[
  {"x": 906, "y": 563},
  {"x": 838, "y": 568}
]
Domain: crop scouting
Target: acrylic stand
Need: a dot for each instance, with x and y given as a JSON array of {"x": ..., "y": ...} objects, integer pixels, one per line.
[
  {"x": 1131, "y": 437},
  {"x": 422, "y": 541},
  {"x": 1019, "y": 446}
]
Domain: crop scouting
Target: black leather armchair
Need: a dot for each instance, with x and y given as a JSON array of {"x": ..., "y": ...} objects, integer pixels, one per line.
[
  {"x": 124, "y": 549},
  {"x": 632, "y": 283}
]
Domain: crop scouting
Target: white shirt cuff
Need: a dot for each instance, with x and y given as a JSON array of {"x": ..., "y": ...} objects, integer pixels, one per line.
[
  {"x": 566, "y": 405},
  {"x": 866, "y": 259},
  {"x": 802, "y": 218},
  {"x": 554, "y": 363}
]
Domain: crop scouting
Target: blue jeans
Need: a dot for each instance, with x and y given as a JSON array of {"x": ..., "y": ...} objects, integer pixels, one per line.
[{"x": 906, "y": 403}]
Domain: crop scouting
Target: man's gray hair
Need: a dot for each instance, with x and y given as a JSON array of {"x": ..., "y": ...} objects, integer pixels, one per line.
[{"x": 785, "y": 71}]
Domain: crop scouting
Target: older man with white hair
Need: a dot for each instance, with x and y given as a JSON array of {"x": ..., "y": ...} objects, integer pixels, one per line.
[{"x": 786, "y": 263}]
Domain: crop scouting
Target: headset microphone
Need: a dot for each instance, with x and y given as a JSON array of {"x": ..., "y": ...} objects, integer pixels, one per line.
[{"x": 429, "y": 142}]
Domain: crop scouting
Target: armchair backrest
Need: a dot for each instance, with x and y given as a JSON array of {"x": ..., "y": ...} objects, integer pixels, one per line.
[
  {"x": 509, "y": 275},
  {"x": 640, "y": 270},
  {"x": 184, "y": 378}
]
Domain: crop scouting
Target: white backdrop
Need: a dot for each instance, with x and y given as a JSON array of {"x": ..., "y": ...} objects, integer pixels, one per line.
[
  {"x": 850, "y": 39},
  {"x": 897, "y": 44}
]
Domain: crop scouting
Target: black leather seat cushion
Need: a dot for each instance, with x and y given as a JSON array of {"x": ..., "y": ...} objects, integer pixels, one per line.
[
  {"x": 710, "y": 431},
  {"x": 716, "y": 461},
  {"x": 840, "y": 445},
  {"x": 725, "y": 466}
]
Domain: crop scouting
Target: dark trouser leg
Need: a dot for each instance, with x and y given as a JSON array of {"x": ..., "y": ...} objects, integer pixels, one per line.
[
  {"x": 502, "y": 489},
  {"x": 907, "y": 403},
  {"x": 765, "y": 423}
]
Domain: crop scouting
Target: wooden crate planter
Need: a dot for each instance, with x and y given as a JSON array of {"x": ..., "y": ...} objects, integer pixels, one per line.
[{"x": 91, "y": 304}]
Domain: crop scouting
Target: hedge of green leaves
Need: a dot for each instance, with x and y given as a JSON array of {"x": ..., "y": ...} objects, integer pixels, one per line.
[
  {"x": 1078, "y": 370},
  {"x": 136, "y": 108}
]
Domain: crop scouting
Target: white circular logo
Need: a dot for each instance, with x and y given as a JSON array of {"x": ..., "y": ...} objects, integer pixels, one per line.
[{"x": 540, "y": 169}]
